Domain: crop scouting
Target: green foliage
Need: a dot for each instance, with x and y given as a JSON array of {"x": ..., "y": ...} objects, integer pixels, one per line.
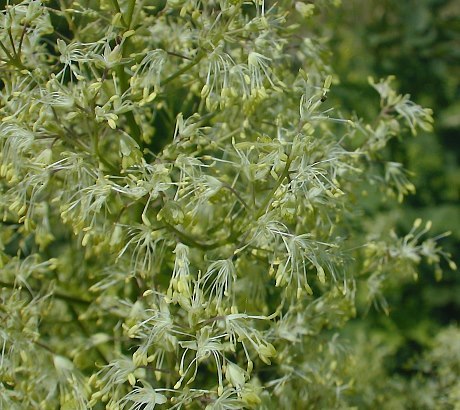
[
  {"x": 432, "y": 381},
  {"x": 404, "y": 37},
  {"x": 183, "y": 211},
  {"x": 416, "y": 41}
]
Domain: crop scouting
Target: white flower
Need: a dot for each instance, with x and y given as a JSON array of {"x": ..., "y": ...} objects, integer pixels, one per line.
[{"x": 145, "y": 398}]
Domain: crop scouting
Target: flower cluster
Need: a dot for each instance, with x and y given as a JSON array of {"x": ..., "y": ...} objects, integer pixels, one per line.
[{"x": 179, "y": 200}]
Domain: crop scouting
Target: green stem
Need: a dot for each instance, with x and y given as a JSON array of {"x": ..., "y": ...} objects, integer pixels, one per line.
[
  {"x": 129, "y": 13},
  {"x": 85, "y": 331},
  {"x": 238, "y": 196},
  {"x": 10, "y": 36},
  {"x": 120, "y": 70},
  {"x": 188, "y": 240},
  {"x": 185, "y": 68},
  {"x": 5, "y": 50},
  {"x": 117, "y": 8},
  {"x": 45, "y": 347},
  {"x": 67, "y": 133},
  {"x": 58, "y": 295},
  {"x": 111, "y": 167},
  {"x": 12, "y": 59},
  {"x": 269, "y": 198},
  {"x": 172, "y": 53},
  {"x": 124, "y": 85}
]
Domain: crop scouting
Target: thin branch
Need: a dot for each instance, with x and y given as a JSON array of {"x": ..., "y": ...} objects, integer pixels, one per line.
[
  {"x": 184, "y": 69},
  {"x": 172, "y": 53},
  {"x": 270, "y": 197},
  {"x": 85, "y": 331},
  {"x": 21, "y": 40},
  {"x": 5, "y": 50},
  {"x": 188, "y": 240},
  {"x": 116, "y": 6},
  {"x": 231, "y": 189},
  {"x": 10, "y": 36},
  {"x": 56, "y": 294},
  {"x": 129, "y": 13}
]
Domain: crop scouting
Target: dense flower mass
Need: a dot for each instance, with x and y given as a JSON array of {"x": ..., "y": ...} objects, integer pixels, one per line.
[{"x": 181, "y": 208}]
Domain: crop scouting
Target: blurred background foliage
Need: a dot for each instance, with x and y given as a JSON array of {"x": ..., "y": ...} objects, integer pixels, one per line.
[{"x": 415, "y": 349}]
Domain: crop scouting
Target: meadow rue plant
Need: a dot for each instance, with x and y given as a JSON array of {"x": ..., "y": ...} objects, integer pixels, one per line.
[{"x": 181, "y": 221}]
